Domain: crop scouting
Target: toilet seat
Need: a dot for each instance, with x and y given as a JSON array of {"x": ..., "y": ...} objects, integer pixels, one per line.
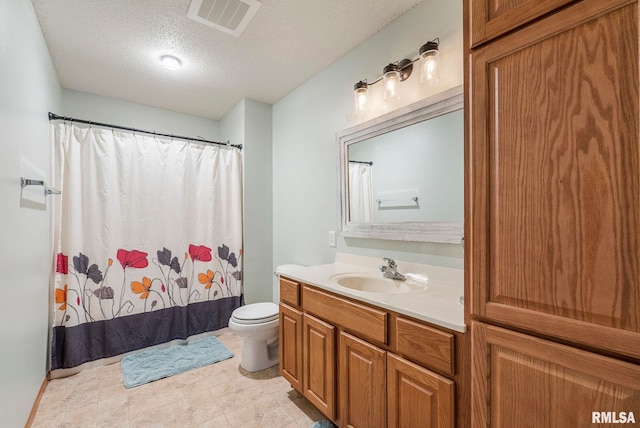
[{"x": 256, "y": 313}]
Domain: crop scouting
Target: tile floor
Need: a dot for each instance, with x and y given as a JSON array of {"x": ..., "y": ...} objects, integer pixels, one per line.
[{"x": 219, "y": 395}]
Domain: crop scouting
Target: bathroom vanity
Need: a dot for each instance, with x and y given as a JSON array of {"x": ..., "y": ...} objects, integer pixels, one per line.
[
  {"x": 367, "y": 356},
  {"x": 371, "y": 351}
]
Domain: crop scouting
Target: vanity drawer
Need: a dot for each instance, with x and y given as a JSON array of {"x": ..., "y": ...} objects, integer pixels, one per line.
[
  {"x": 425, "y": 345},
  {"x": 289, "y": 292},
  {"x": 367, "y": 322}
]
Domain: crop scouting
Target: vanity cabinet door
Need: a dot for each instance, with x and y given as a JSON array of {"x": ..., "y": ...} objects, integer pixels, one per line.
[
  {"x": 290, "y": 347},
  {"x": 362, "y": 383},
  {"x": 492, "y": 18},
  {"x": 522, "y": 381},
  {"x": 318, "y": 362},
  {"x": 417, "y": 397},
  {"x": 554, "y": 215}
]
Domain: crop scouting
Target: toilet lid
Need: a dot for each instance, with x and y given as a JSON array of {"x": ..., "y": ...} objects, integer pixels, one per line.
[{"x": 256, "y": 313}]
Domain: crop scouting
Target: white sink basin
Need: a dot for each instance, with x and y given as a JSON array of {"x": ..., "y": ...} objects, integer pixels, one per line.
[{"x": 376, "y": 283}]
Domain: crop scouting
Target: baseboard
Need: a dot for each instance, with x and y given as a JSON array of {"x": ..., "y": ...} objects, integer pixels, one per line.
[{"x": 36, "y": 403}]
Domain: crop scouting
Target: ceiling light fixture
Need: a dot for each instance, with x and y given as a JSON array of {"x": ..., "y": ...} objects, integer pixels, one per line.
[
  {"x": 170, "y": 62},
  {"x": 400, "y": 71}
]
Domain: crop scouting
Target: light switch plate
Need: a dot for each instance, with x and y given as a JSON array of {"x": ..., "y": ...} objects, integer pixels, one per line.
[{"x": 332, "y": 239}]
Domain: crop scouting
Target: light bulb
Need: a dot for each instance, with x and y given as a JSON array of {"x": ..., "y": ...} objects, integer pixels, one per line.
[
  {"x": 360, "y": 91},
  {"x": 170, "y": 62},
  {"x": 390, "y": 79},
  {"x": 430, "y": 70}
]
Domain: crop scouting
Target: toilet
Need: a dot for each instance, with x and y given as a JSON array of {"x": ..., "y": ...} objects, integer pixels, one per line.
[{"x": 257, "y": 324}]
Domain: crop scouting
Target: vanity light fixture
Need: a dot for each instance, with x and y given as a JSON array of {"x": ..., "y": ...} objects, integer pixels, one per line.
[
  {"x": 430, "y": 56},
  {"x": 170, "y": 62},
  {"x": 361, "y": 90},
  {"x": 393, "y": 74},
  {"x": 399, "y": 71},
  {"x": 390, "y": 79}
]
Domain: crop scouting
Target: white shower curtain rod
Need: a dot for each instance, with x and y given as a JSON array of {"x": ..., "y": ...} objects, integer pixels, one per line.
[{"x": 53, "y": 116}]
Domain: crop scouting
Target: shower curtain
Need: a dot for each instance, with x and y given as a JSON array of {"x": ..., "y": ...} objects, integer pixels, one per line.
[
  {"x": 360, "y": 193},
  {"x": 147, "y": 241}
]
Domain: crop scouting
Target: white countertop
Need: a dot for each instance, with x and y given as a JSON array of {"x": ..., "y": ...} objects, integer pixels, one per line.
[{"x": 439, "y": 304}]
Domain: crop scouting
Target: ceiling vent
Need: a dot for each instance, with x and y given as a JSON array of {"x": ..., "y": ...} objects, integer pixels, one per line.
[{"x": 230, "y": 16}]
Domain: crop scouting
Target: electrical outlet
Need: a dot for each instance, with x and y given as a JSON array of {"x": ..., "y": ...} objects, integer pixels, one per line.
[{"x": 332, "y": 239}]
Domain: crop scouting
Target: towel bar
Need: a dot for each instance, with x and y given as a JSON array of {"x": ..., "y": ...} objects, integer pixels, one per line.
[
  {"x": 47, "y": 190},
  {"x": 393, "y": 203}
]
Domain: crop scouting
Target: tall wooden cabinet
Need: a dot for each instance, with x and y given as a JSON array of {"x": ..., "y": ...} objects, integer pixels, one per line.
[{"x": 553, "y": 208}]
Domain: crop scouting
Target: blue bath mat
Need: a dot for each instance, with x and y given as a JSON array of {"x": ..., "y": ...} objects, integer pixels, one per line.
[{"x": 154, "y": 364}]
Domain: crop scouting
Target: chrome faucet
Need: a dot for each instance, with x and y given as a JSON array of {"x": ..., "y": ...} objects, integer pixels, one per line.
[{"x": 389, "y": 271}]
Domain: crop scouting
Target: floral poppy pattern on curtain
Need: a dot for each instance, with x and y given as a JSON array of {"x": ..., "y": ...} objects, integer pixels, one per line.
[{"x": 167, "y": 284}]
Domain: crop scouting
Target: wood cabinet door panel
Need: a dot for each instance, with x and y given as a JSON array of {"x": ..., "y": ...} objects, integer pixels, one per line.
[
  {"x": 319, "y": 364},
  {"x": 290, "y": 346},
  {"x": 362, "y": 383},
  {"x": 492, "y": 18},
  {"x": 523, "y": 381},
  {"x": 555, "y": 179},
  {"x": 289, "y": 292},
  {"x": 417, "y": 397}
]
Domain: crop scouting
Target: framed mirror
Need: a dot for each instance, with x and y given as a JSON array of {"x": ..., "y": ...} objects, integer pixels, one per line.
[{"x": 401, "y": 175}]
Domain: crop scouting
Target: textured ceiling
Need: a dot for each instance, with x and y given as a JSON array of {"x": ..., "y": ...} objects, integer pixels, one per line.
[{"x": 112, "y": 48}]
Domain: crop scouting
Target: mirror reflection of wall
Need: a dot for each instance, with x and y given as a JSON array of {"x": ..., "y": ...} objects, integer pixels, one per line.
[{"x": 424, "y": 160}]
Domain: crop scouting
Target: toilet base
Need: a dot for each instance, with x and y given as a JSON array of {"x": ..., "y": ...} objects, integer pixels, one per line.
[{"x": 258, "y": 355}]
